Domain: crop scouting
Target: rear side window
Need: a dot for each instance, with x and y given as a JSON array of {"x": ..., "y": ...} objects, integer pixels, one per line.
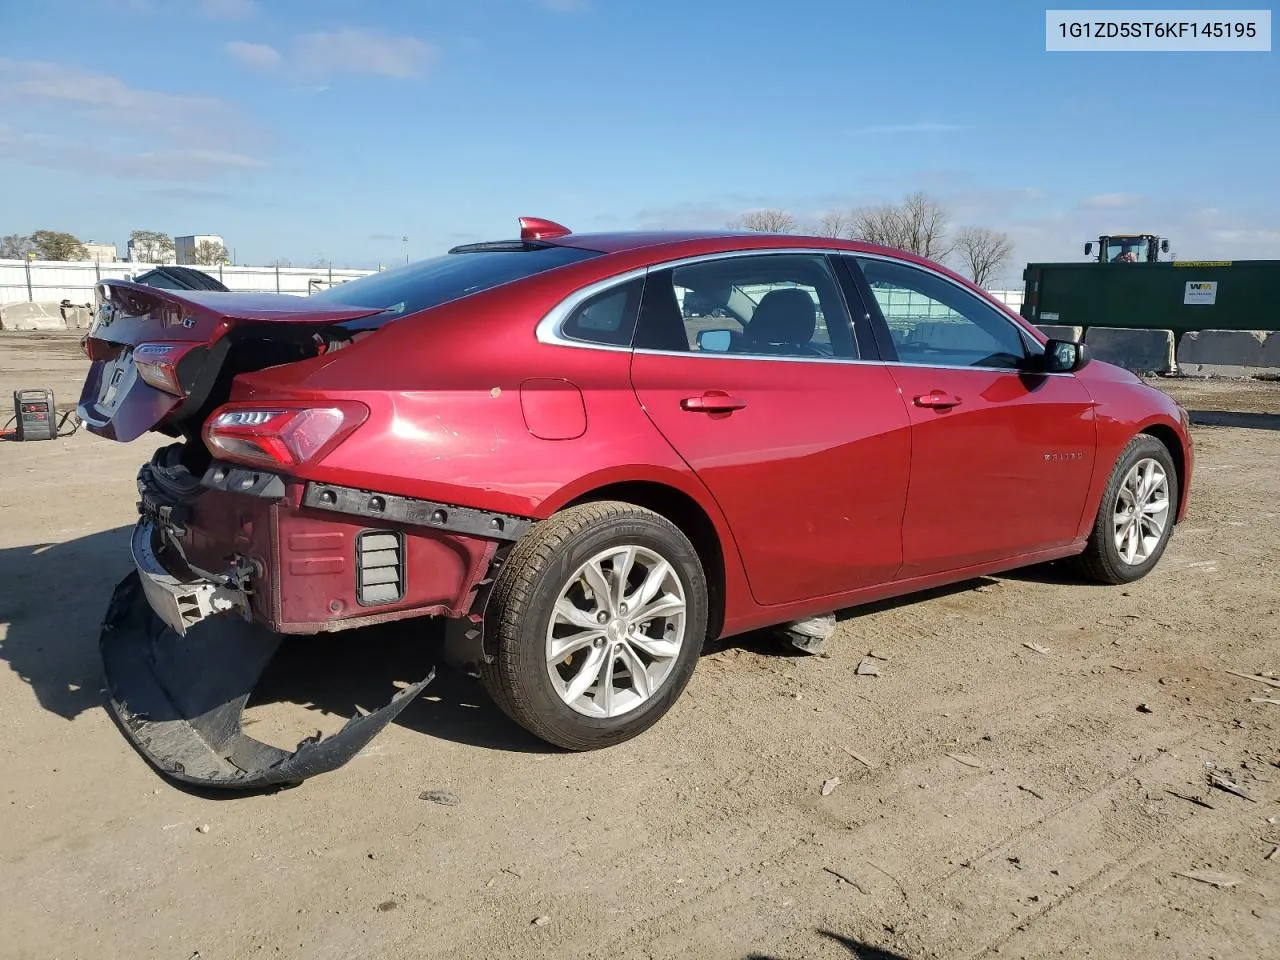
[
  {"x": 608, "y": 318},
  {"x": 429, "y": 283}
]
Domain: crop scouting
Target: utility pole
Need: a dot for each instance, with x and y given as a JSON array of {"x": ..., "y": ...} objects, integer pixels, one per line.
[{"x": 406, "y": 248}]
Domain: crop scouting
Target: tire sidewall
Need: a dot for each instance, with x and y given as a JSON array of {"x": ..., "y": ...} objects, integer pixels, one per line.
[
  {"x": 1147, "y": 448},
  {"x": 530, "y": 651}
]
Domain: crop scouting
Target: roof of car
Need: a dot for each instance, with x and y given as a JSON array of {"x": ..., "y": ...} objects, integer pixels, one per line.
[{"x": 624, "y": 241}]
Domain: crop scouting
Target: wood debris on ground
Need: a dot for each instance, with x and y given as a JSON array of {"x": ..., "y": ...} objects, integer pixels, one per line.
[{"x": 1223, "y": 881}]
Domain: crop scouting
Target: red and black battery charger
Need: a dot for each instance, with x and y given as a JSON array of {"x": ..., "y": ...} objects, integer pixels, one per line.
[{"x": 35, "y": 414}]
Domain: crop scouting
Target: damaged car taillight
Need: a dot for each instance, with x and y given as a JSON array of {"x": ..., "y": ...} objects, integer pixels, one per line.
[
  {"x": 280, "y": 436},
  {"x": 157, "y": 365}
]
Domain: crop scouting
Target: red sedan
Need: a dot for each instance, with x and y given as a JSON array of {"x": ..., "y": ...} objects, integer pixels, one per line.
[{"x": 594, "y": 453}]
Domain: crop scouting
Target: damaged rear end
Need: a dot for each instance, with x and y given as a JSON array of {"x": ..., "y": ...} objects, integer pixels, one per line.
[{"x": 233, "y": 549}]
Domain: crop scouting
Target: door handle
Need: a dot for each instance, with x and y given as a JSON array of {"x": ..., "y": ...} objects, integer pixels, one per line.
[
  {"x": 713, "y": 403},
  {"x": 938, "y": 400}
]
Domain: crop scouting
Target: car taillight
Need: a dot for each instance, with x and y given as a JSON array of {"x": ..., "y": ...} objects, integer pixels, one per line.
[
  {"x": 157, "y": 365},
  {"x": 283, "y": 436}
]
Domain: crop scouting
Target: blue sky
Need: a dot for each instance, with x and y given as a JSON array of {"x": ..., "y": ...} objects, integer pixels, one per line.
[{"x": 309, "y": 129}]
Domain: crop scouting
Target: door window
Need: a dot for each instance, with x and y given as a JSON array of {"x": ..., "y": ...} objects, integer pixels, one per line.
[
  {"x": 935, "y": 322},
  {"x": 767, "y": 305}
]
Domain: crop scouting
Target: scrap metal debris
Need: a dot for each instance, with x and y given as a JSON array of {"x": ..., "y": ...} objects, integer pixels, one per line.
[
  {"x": 967, "y": 760},
  {"x": 1275, "y": 852},
  {"x": 1038, "y": 796},
  {"x": 1035, "y": 646},
  {"x": 443, "y": 797},
  {"x": 1196, "y": 800},
  {"x": 1269, "y": 681},
  {"x": 1264, "y": 700},
  {"x": 1223, "y": 881},
  {"x": 541, "y": 921},
  {"x": 1228, "y": 786},
  {"x": 829, "y": 786},
  {"x": 868, "y": 668}
]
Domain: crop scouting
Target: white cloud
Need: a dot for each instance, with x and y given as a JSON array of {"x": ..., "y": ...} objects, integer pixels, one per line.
[
  {"x": 256, "y": 56},
  {"x": 118, "y": 128},
  {"x": 178, "y": 165},
  {"x": 357, "y": 50}
]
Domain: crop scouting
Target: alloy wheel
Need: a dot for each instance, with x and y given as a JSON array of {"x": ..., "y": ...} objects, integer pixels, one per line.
[{"x": 616, "y": 630}]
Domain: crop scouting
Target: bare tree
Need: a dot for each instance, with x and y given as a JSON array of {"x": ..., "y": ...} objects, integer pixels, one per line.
[
  {"x": 151, "y": 246},
  {"x": 883, "y": 225},
  {"x": 766, "y": 221},
  {"x": 835, "y": 224},
  {"x": 56, "y": 245},
  {"x": 207, "y": 253},
  {"x": 982, "y": 252},
  {"x": 926, "y": 221},
  {"x": 918, "y": 224},
  {"x": 15, "y": 246}
]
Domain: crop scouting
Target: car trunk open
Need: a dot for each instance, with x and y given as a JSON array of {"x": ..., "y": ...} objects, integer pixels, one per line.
[{"x": 207, "y": 339}]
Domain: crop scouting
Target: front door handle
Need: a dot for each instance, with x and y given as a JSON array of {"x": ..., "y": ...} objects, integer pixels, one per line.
[
  {"x": 713, "y": 403},
  {"x": 937, "y": 400}
]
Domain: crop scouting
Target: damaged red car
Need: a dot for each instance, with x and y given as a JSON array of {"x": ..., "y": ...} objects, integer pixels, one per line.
[{"x": 592, "y": 453}]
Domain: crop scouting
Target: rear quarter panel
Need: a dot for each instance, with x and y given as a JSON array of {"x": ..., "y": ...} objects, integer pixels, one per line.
[{"x": 446, "y": 421}]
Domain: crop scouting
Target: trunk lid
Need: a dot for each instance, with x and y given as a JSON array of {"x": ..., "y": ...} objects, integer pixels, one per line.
[{"x": 206, "y": 338}]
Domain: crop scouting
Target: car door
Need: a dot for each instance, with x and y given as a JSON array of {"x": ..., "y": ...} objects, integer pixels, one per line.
[
  {"x": 785, "y": 414},
  {"x": 1001, "y": 456}
]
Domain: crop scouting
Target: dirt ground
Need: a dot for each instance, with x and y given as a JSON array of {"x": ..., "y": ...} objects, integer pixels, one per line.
[{"x": 994, "y": 800}]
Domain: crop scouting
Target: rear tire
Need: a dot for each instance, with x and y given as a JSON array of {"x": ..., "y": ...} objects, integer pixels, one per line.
[
  {"x": 552, "y": 628},
  {"x": 1135, "y": 517}
]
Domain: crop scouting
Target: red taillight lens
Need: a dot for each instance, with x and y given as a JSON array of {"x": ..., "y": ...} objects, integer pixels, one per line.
[
  {"x": 283, "y": 436},
  {"x": 157, "y": 365}
]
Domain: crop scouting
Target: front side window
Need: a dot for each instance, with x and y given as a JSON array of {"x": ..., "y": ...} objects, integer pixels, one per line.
[
  {"x": 765, "y": 305},
  {"x": 935, "y": 322}
]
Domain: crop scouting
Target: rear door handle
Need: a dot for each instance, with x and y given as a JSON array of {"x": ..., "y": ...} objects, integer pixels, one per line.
[
  {"x": 937, "y": 400},
  {"x": 713, "y": 403}
]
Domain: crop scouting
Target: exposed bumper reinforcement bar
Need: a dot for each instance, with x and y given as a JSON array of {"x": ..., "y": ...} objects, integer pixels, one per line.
[{"x": 180, "y": 698}]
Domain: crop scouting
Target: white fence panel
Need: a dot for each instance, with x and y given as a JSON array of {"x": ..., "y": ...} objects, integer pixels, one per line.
[{"x": 55, "y": 281}]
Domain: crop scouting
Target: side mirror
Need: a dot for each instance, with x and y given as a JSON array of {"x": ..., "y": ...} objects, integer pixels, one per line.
[
  {"x": 715, "y": 341},
  {"x": 1088, "y": 248},
  {"x": 1064, "y": 356},
  {"x": 1164, "y": 246}
]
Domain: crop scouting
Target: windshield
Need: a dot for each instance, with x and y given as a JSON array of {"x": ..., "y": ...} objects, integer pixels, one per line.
[
  {"x": 1121, "y": 250},
  {"x": 429, "y": 283}
]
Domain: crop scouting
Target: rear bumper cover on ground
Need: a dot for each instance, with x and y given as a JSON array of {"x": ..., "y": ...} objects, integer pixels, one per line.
[{"x": 180, "y": 698}]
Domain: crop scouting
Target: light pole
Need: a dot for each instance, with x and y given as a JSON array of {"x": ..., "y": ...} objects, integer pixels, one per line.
[{"x": 406, "y": 248}]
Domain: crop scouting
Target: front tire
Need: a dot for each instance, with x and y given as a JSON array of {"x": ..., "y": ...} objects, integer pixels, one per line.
[
  {"x": 1135, "y": 517},
  {"x": 599, "y": 615}
]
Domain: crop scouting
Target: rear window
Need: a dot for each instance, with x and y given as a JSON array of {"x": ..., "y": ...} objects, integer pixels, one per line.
[{"x": 429, "y": 283}]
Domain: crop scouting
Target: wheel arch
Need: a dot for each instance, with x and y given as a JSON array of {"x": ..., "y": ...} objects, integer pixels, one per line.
[
  {"x": 693, "y": 520},
  {"x": 1168, "y": 436}
]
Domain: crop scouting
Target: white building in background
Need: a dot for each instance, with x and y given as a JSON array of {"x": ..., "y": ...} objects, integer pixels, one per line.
[
  {"x": 100, "y": 252},
  {"x": 185, "y": 247}
]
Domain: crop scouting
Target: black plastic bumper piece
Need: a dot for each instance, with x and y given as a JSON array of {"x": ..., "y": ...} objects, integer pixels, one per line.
[{"x": 180, "y": 699}]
